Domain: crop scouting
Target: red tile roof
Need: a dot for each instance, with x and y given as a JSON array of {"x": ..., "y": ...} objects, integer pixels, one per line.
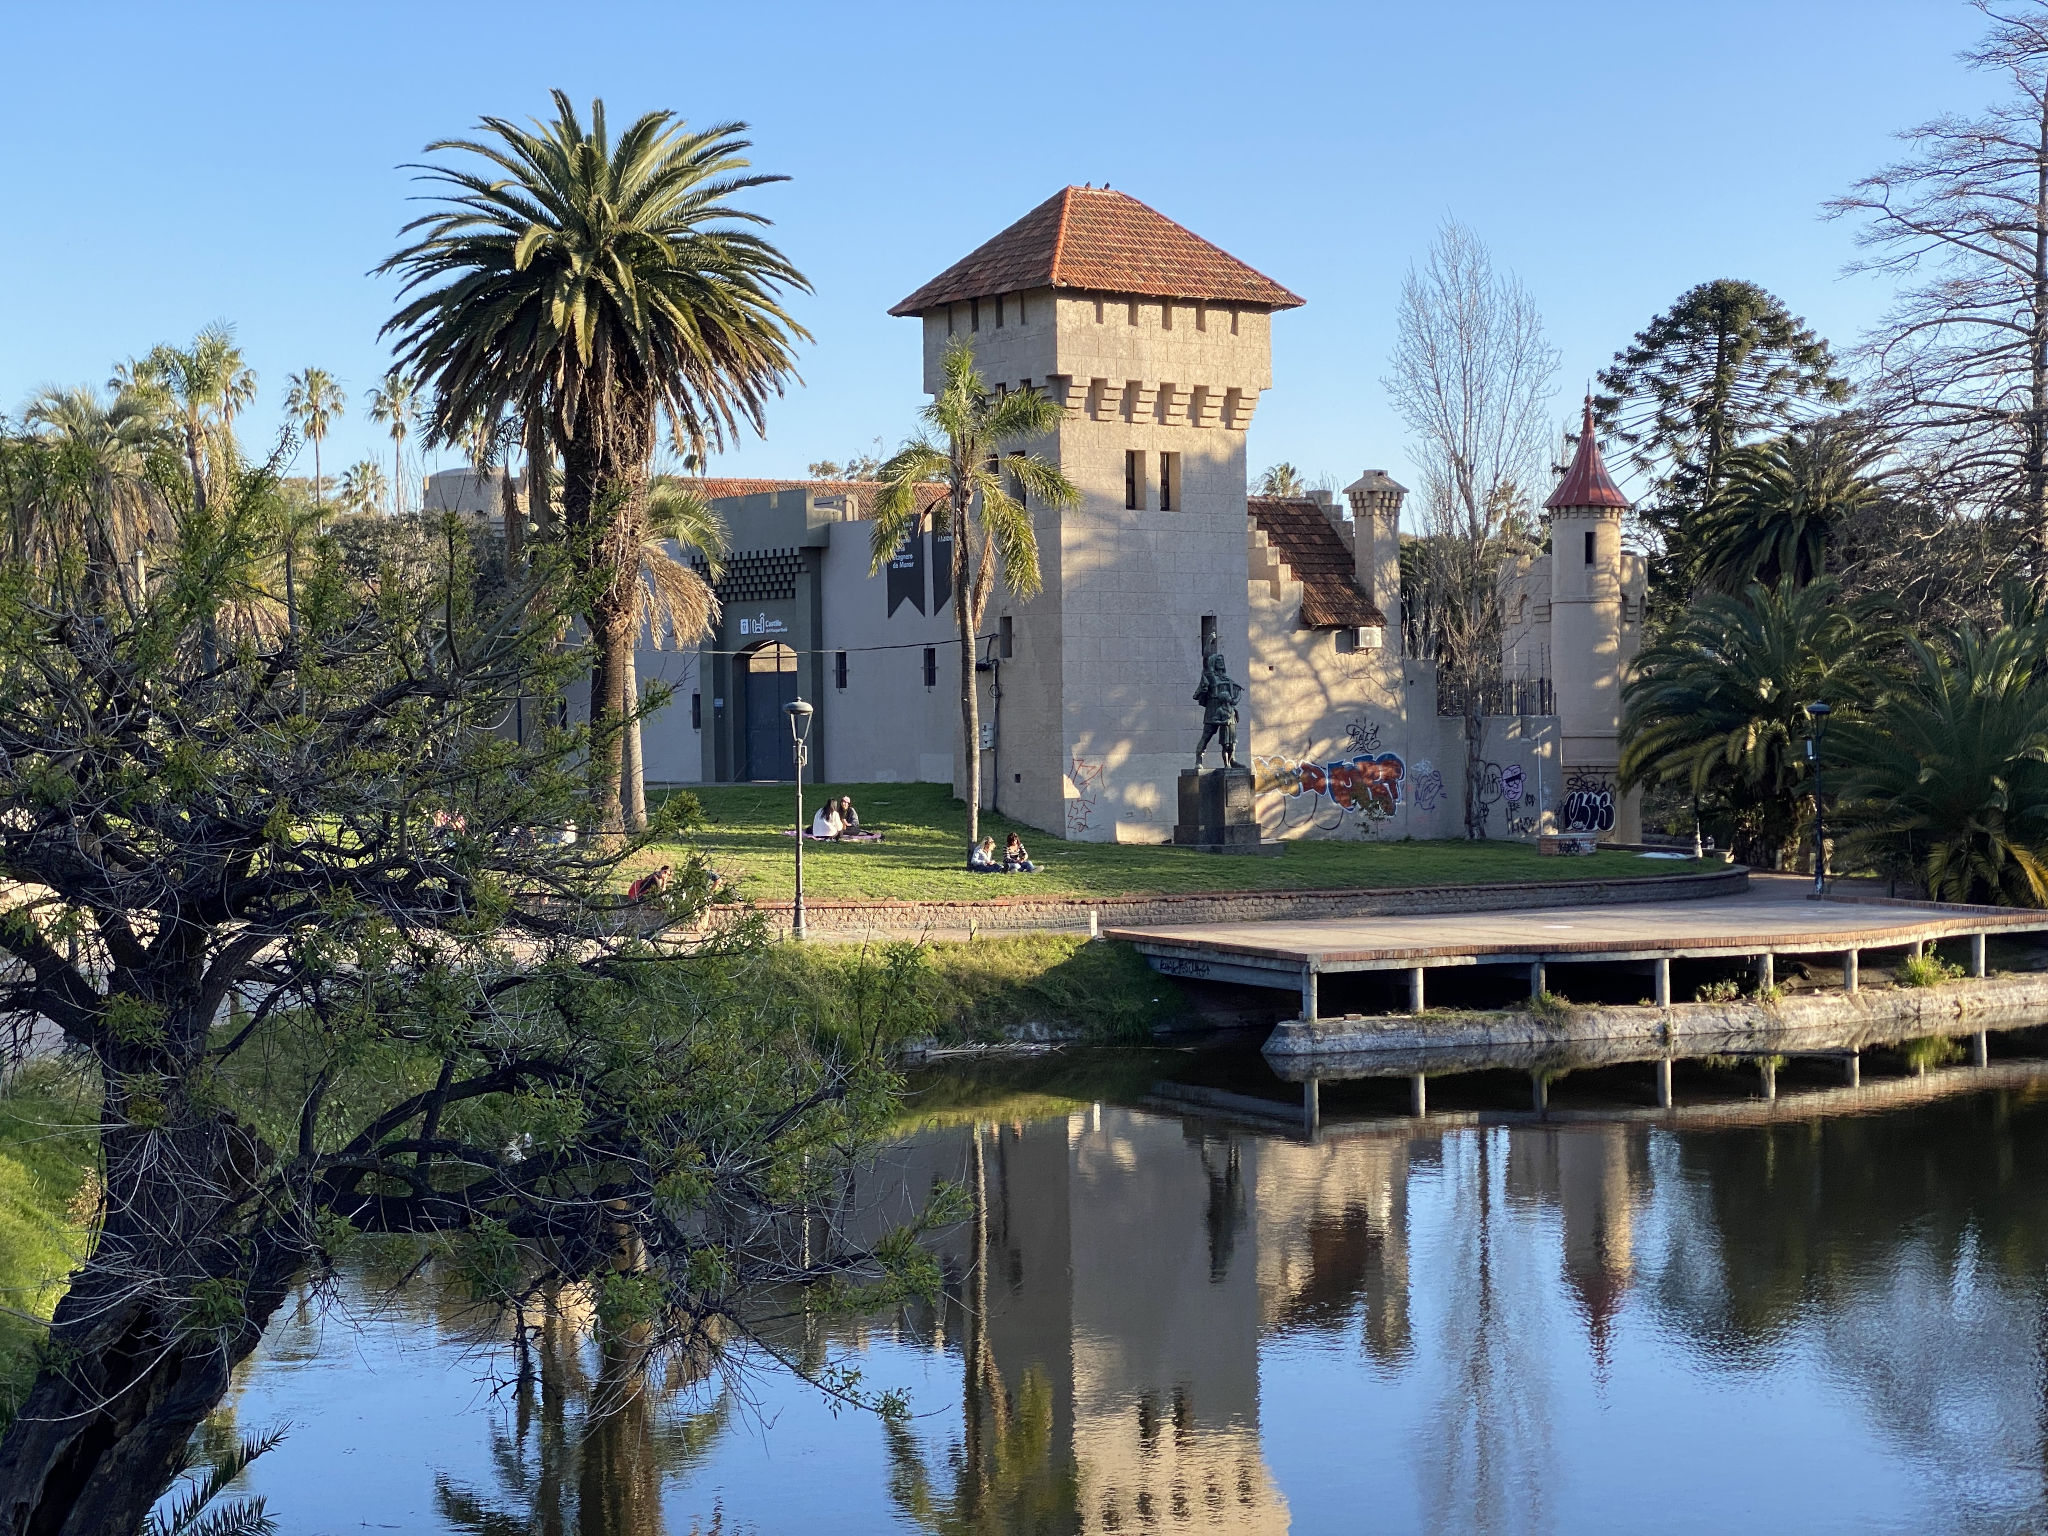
[
  {"x": 1100, "y": 241},
  {"x": 1587, "y": 483},
  {"x": 1301, "y": 533}
]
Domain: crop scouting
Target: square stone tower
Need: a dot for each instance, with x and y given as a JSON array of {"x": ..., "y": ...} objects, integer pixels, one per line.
[{"x": 1156, "y": 345}]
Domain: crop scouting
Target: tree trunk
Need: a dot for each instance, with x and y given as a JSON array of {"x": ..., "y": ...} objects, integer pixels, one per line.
[
  {"x": 2037, "y": 358},
  {"x": 143, "y": 1344},
  {"x": 636, "y": 783},
  {"x": 515, "y": 523},
  {"x": 967, "y": 621},
  {"x": 1475, "y": 766}
]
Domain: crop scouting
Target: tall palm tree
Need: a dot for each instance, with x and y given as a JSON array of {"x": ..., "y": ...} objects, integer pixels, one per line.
[
  {"x": 209, "y": 382},
  {"x": 605, "y": 285},
  {"x": 394, "y": 403},
  {"x": 992, "y": 529},
  {"x": 1779, "y": 503},
  {"x": 1948, "y": 776},
  {"x": 97, "y": 494},
  {"x": 1718, "y": 704},
  {"x": 313, "y": 404}
]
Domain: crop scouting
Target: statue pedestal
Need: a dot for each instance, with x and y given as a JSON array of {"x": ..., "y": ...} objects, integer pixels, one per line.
[{"x": 1217, "y": 812}]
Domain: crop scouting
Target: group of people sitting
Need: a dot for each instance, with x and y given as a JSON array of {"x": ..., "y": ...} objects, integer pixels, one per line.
[
  {"x": 1015, "y": 860},
  {"x": 838, "y": 821}
]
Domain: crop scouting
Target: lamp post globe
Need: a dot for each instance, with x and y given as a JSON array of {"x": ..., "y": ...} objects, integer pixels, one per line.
[
  {"x": 1817, "y": 712},
  {"x": 799, "y": 713}
]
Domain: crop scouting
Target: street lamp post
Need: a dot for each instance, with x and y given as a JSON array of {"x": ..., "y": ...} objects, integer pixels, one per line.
[
  {"x": 1818, "y": 712},
  {"x": 799, "y": 728}
]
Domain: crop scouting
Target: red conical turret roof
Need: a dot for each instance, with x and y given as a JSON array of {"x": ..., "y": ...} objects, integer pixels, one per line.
[{"x": 1587, "y": 483}]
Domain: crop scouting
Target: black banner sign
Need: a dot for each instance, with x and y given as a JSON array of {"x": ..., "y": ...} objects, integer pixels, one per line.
[
  {"x": 906, "y": 574},
  {"x": 942, "y": 569}
]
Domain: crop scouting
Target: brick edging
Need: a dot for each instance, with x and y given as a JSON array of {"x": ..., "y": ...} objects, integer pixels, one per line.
[{"x": 1020, "y": 913}]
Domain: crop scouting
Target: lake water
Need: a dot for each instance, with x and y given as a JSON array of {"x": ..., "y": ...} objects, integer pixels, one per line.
[{"x": 1832, "y": 1322}]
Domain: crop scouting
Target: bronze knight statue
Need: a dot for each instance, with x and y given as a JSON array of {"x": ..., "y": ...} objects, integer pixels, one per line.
[{"x": 1218, "y": 696}]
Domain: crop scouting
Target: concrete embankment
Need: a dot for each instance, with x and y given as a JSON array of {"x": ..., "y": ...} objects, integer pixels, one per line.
[{"x": 1805, "y": 1021}]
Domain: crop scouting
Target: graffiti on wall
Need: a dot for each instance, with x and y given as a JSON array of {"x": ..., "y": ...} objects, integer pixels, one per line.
[
  {"x": 1087, "y": 781},
  {"x": 1588, "y": 804},
  {"x": 1427, "y": 786},
  {"x": 1364, "y": 736},
  {"x": 1367, "y": 786}
]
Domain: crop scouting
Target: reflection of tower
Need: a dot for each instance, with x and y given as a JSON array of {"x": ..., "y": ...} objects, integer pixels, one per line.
[
  {"x": 1591, "y": 640},
  {"x": 1592, "y": 1176},
  {"x": 1332, "y": 1231}
]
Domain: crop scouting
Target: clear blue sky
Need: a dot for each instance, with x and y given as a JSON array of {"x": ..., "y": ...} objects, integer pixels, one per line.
[{"x": 170, "y": 165}]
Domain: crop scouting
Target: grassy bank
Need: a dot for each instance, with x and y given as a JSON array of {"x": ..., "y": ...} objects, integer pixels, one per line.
[
  {"x": 923, "y": 856},
  {"x": 46, "y": 1154},
  {"x": 989, "y": 990}
]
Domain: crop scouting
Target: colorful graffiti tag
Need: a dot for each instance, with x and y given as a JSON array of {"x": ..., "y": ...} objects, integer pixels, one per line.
[{"x": 1367, "y": 785}]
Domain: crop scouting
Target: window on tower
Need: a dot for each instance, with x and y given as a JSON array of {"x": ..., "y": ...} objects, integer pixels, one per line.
[
  {"x": 1134, "y": 480},
  {"x": 1589, "y": 546}
]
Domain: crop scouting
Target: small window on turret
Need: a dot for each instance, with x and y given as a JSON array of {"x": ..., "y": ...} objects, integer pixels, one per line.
[
  {"x": 1589, "y": 546},
  {"x": 1233, "y": 322},
  {"x": 974, "y": 314},
  {"x": 999, "y": 311},
  {"x": 1134, "y": 311},
  {"x": 1166, "y": 314}
]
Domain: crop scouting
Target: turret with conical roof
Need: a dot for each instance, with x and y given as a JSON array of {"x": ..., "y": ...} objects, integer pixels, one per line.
[{"x": 1593, "y": 633}]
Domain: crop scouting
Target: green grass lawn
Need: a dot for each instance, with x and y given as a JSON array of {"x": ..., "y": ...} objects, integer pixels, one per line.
[
  {"x": 925, "y": 855},
  {"x": 46, "y": 1151}
]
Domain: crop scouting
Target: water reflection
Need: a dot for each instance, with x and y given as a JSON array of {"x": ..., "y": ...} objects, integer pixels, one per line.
[{"x": 1162, "y": 1323}]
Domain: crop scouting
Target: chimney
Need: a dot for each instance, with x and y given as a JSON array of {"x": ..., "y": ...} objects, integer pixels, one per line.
[{"x": 1375, "y": 498}]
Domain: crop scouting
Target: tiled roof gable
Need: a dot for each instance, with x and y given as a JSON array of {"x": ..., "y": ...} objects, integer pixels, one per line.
[
  {"x": 1300, "y": 532},
  {"x": 1099, "y": 241}
]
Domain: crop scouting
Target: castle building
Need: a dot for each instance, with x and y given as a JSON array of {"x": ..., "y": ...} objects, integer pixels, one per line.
[{"x": 1156, "y": 345}]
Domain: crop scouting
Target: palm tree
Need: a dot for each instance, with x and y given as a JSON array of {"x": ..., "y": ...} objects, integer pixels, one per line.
[
  {"x": 97, "y": 495},
  {"x": 209, "y": 382},
  {"x": 1948, "y": 776},
  {"x": 1282, "y": 479},
  {"x": 394, "y": 403},
  {"x": 1718, "y": 704},
  {"x": 599, "y": 287},
  {"x": 991, "y": 527},
  {"x": 675, "y": 602},
  {"x": 313, "y": 404},
  {"x": 362, "y": 487},
  {"x": 1780, "y": 502}
]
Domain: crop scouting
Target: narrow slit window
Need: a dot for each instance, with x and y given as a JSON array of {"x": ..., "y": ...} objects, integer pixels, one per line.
[
  {"x": 839, "y": 669},
  {"x": 1098, "y": 311},
  {"x": 1134, "y": 480},
  {"x": 931, "y": 666},
  {"x": 696, "y": 711},
  {"x": 1589, "y": 546},
  {"x": 1020, "y": 309},
  {"x": 1166, "y": 314},
  {"x": 1134, "y": 312},
  {"x": 1201, "y": 317},
  {"x": 974, "y": 314},
  {"x": 1233, "y": 322},
  {"x": 1208, "y": 636},
  {"x": 1169, "y": 481},
  {"x": 949, "y": 319},
  {"x": 999, "y": 311},
  {"x": 1006, "y": 637}
]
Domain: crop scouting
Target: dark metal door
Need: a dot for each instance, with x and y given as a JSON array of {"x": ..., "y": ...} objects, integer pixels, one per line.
[{"x": 770, "y": 686}]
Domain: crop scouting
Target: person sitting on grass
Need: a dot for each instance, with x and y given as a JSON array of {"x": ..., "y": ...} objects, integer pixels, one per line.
[
  {"x": 849, "y": 818},
  {"x": 826, "y": 824},
  {"x": 649, "y": 886},
  {"x": 981, "y": 858},
  {"x": 1016, "y": 857}
]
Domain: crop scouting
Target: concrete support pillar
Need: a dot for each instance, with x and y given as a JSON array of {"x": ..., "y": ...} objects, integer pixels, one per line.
[
  {"x": 1312, "y": 1105},
  {"x": 1664, "y": 1082},
  {"x": 1539, "y": 1092},
  {"x": 1919, "y": 948},
  {"x": 1850, "y": 957},
  {"x": 1418, "y": 1095},
  {"x": 1536, "y": 981},
  {"x": 1852, "y": 1070},
  {"x": 1308, "y": 994},
  {"x": 1980, "y": 1049},
  {"x": 1415, "y": 997},
  {"x": 1767, "y": 1073},
  {"x": 1766, "y": 971},
  {"x": 1976, "y": 954},
  {"x": 1663, "y": 974}
]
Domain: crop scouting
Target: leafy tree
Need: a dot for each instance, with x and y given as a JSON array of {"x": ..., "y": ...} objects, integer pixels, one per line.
[
  {"x": 1948, "y": 776},
  {"x": 1718, "y": 705},
  {"x": 1962, "y": 359},
  {"x": 1726, "y": 362},
  {"x": 968, "y": 427},
  {"x": 287, "y": 906},
  {"x": 598, "y": 287},
  {"x": 1471, "y": 375},
  {"x": 1282, "y": 479},
  {"x": 98, "y": 487},
  {"x": 1780, "y": 504},
  {"x": 395, "y": 402}
]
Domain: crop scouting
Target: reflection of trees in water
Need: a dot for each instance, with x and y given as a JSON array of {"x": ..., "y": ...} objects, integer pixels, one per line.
[
  {"x": 582, "y": 1452},
  {"x": 1006, "y": 1475},
  {"x": 1485, "y": 1449}
]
